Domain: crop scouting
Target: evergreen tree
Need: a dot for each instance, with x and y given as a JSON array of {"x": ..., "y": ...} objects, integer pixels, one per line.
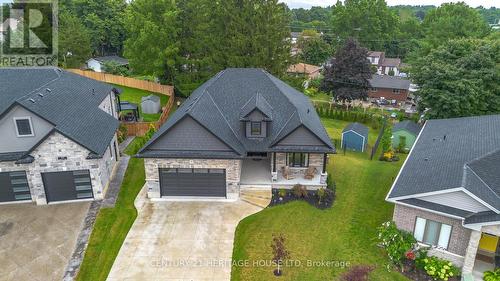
[{"x": 347, "y": 78}]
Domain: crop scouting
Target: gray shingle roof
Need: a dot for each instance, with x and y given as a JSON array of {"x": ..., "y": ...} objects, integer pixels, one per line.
[
  {"x": 453, "y": 153},
  {"x": 257, "y": 102},
  {"x": 358, "y": 128},
  {"x": 482, "y": 217},
  {"x": 153, "y": 98},
  {"x": 389, "y": 82},
  {"x": 218, "y": 103},
  {"x": 408, "y": 125},
  {"x": 391, "y": 62},
  {"x": 70, "y": 102},
  {"x": 116, "y": 59}
]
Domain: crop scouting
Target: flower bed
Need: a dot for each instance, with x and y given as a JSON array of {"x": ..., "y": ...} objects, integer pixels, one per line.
[{"x": 322, "y": 198}]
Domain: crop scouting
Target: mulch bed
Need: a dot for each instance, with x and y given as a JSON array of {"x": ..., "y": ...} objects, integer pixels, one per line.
[
  {"x": 311, "y": 198},
  {"x": 417, "y": 274}
]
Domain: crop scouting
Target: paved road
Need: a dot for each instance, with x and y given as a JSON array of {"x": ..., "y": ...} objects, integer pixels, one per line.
[
  {"x": 36, "y": 242},
  {"x": 179, "y": 240}
]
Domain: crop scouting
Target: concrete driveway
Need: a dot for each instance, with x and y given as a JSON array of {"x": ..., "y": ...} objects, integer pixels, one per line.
[
  {"x": 180, "y": 241},
  {"x": 36, "y": 242}
]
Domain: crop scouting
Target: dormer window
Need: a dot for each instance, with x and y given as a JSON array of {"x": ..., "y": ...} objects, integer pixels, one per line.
[
  {"x": 24, "y": 127},
  {"x": 256, "y": 128}
]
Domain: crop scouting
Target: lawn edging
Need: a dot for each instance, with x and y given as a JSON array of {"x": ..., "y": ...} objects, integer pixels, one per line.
[{"x": 113, "y": 224}]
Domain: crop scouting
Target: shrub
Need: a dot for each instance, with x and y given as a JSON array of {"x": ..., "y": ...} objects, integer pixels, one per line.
[
  {"x": 321, "y": 194},
  {"x": 396, "y": 242},
  {"x": 299, "y": 191},
  {"x": 492, "y": 275},
  {"x": 358, "y": 273},
  {"x": 282, "y": 192},
  {"x": 438, "y": 269},
  {"x": 402, "y": 144},
  {"x": 122, "y": 133}
]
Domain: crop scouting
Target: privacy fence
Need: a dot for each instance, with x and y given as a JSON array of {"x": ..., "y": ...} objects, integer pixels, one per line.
[{"x": 135, "y": 128}]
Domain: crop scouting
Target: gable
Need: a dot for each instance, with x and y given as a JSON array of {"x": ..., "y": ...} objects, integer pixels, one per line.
[
  {"x": 188, "y": 135},
  {"x": 301, "y": 136},
  {"x": 456, "y": 199},
  {"x": 9, "y": 139}
]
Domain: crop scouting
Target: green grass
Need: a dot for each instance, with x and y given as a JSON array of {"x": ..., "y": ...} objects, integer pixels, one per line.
[
  {"x": 321, "y": 96},
  {"x": 134, "y": 95},
  {"x": 334, "y": 128},
  {"x": 346, "y": 232},
  {"x": 112, "y": 224}
]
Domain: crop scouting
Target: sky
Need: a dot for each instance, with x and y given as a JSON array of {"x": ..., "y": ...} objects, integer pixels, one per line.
[{"x": 473, "y": 3}]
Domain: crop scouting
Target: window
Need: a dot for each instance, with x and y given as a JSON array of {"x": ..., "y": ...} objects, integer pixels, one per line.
[
  {"x": 297, "y": 159},
  {"x": 24, "y": 127},
  {"x": 432, "y": 233},
  {"x": 373, "y": 89},
  {"x": 395, "y": 91},
  {"x": 255, "y": 129}
]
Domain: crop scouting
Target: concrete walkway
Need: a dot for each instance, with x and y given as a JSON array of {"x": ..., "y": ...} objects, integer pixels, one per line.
[{"x": 180, "y": 241}]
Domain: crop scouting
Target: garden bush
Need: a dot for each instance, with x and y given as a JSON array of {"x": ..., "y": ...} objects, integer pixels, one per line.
[
  {"x": 299, "y": 191},
  {"x": 396, "y": 242},
  {"x": 438, "y": 269},
  {"x": 492, "y": 275}
]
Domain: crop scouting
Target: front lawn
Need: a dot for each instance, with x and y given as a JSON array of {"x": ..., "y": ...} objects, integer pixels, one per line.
[
  {"x": 344, "y": 233},
  {"x": 112, "y": 224},
  {"x": 134, "y": 95}
]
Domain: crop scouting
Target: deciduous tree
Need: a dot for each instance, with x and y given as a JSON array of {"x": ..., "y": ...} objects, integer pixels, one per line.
[{"x": 347, "y": 78}]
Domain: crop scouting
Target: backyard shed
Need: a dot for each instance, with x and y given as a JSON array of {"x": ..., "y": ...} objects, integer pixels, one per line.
[
  {"x": 151, "y": 104},
  {"x": 355, "y": 137},
  {"x": 408, "y": 130}
]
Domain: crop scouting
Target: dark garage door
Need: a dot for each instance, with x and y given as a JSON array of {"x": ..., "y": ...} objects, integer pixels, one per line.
[
  {"x": 14, "y": 187},
  {"x": 72, "y": 185},
  {"x": 193, "y": 182}
]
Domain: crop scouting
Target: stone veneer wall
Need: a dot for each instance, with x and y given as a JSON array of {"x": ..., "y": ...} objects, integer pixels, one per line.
[
  {"x": 315, "y": 159},
  {"x": 233, "y": 172},
  {"x": 405, "y": 218},
  {"x": 46, "y": 160}
]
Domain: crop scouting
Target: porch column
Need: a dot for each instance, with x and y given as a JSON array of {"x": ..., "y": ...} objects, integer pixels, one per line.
[
  {"x": 274, "y": 174},
  {"x": 470, "y": 254},
  {"x": 274, "y": 162},
  {"x": 325, "y": 159}
]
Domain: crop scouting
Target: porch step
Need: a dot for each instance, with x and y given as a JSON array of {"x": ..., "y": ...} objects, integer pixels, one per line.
[{"x": 260, "y": 198}]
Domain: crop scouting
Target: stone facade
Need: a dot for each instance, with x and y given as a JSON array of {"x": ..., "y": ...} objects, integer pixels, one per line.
[
  {"x": 232, "y": 167},
  {"x": 315, "y": 160},
  {"x": 405, "y": 218},
  {"x": 56, "y": 154}
]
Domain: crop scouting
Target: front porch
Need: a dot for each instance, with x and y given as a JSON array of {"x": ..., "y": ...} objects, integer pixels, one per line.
[
  {"x": 274, "y": 171},
  {"x": 483, "y": 253}
]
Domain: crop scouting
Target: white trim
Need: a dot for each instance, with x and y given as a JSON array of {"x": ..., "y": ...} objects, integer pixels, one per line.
[
  {"x": 479, "y": 225},
  {"x": 430, "y": 211},
  {"x": 192, "y": 199},
  {"x": 17, "y": 129},
  {"x": 404, "y": 164},
  {"x": 71, "y": 201},
  {"x": 432, "y": 248},
  {"x": 17, "y": 202},
  {"x": 342, "y": 139},
  {"x": 418, "y": 195}
]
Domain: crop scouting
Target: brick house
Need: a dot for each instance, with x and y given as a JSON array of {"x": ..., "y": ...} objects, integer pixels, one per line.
[
  {"x": 242, "y": 128},
  {"x": 448, "y": 192},
  {"x": 57, "y": 136},
  {"x": 390, "y": 88}
]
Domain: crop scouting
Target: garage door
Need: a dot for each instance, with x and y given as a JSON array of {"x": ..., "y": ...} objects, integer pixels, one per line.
[
  {"x": 193, "y": 182},
  {"x": 72, "y": 185},
  {"x": 14, "y": 187}
]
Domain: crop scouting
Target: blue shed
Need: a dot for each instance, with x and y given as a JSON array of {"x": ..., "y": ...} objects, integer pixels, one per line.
[{"x": 355, "y": 137}]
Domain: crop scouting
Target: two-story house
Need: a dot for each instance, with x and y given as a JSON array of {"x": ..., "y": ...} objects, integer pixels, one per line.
[
  {"x": 390, "y": 88},
  {"x": 57, "y": 136},
  {"x": 385, "y": 66}
]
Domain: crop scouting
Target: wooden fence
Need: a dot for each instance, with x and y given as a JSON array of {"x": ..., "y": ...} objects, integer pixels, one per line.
[{"x": 136, "y": 128}]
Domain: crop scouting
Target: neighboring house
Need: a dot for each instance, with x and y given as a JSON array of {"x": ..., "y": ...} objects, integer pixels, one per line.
[
  {"x": 407, "y": 129},
  {"x": 448, "y": 192},
  {"x": 391, "y": 88},
  {"x": 384, "y": 65},
  {"x": 57, "y": 135},
  {"x": 304, "y": 69},
  {"x": 355, "y": 137},
  {"x": 9, "y": 23},
  {"x": 97, "y": 64},
  {"x": 151, "y": 104},
  {"x": 242, "y": 128}
]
